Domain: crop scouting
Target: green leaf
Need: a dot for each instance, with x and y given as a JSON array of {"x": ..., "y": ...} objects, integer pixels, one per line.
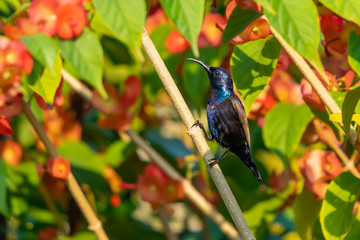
[
  {"x": 3, "y": 189},
  {"x": 354, "y": 52},
  {"x": 238, "y": 21},
  {"x": 47, "y": 84},
  {"x": 252, "y": 64},
  {"x": 347, "y": 9},
  {"x": 266, "y": 5},
  {"x": 354, "y": 233},
  {"x": 336, "y": 215},
  {"x": 81, "y": 156},
  {"x": 348, "y": 107},
  {"x": 85, "y": 54},
  {"x": 187, "y": 15},
  {"x": 125, "y": 18},
  {"x": 297, "y": 22},
  {"x": 42, "y": 48},
  {"x": 284, "y": 126},
  {"x": 305, "y": 219},
  {"x": 115, "y": 153}
]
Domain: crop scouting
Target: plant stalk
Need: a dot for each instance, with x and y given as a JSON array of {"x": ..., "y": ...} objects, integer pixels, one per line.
[{"x": 94, "y": 223}]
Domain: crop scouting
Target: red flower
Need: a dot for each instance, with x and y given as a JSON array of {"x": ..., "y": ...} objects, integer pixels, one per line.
[
  {"x": 115, "y": 200},
  {"x": 71, "y": 21},
  {"x": 5, "y": 128},
  {"x": 12, "y": 107},
  {"x": 247, "y": 4},
  {"x": 131, "y": 91},
  {"x": 40, "y": 170},
  {"x": 157, "y": 189}
]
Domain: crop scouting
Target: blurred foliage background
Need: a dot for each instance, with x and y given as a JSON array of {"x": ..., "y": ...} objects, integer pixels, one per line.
[{"x": 310, "y": 169}]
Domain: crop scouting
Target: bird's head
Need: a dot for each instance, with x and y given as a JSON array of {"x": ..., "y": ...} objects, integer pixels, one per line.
[{"x": 219, "y": 78}]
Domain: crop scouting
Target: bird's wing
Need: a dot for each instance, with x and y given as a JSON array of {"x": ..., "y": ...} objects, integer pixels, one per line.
[{"x": 240, "y": 111}]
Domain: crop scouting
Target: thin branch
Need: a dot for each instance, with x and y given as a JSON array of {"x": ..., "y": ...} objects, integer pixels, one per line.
[
  {"x": 51, "y": 205},
  {"x": 198, "y": 138},
  {"x": 316, "y": 84},
  {"x": 94, "y": 223},
  {"x": 190, "y": 191},
  {"x": 170, "y": 235},
  {"x": 349, "y": 165}
]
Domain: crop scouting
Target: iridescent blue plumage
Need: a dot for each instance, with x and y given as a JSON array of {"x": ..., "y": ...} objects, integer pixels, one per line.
[{"x": 226, "y": 118}]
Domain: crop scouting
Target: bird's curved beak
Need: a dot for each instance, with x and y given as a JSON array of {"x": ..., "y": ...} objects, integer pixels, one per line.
[{"x": 207, "y": 67}]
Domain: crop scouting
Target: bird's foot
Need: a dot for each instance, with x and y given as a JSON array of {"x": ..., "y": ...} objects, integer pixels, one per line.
[
  {"x": 197, "y": 124},
  {"x": 213, "y": 162}
]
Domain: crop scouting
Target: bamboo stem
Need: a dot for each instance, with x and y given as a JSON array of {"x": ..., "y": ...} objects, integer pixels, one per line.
[
  {"x": 315, "y": 83},
  {"x": 94, "y": 223},
  {"x": 198, "y": 138},
  {"x": 190, "y": 191}
]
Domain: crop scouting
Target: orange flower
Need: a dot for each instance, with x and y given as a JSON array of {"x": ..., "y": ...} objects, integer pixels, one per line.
[
  {"x": 210, "y": 35},
  {"x": 59, "y": 167},
  {"x": 71, "y": 20},
  {"x": 11, "y": 152},
  {"x": 319, "y": 168},
  {"x": 259, "y": 28},
  {"x": 43, "y": 14},
  {"x": 155, "y": 20},
  {"x": 176, "y": 43}
]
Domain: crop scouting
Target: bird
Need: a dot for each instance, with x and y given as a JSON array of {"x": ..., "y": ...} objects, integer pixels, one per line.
[{"x": 227, "y": 120}]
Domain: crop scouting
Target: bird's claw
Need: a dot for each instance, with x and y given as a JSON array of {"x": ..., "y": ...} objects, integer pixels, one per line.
[
  {"x": 197, "y": 123},
  {"x": 214, "y": 161}
]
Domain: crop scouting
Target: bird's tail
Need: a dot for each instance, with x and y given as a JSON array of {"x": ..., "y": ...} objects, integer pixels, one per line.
[{"x": 245, "y": 156}]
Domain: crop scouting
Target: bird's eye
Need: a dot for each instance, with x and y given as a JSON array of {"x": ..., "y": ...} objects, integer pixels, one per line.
[{"x": 217, "y": 73}]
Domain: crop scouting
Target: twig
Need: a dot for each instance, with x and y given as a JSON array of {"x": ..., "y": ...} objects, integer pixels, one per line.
[
  {"x": 51, "y": 205},
  {"x": 349, "y": 165},
  {"x": 94, "y": 223},
  {"x": 165, "y": 222},
  {"x": 198, "y": 138},
  {"x": 190, "y": 191},
  {"x": 315, "y": 83}
]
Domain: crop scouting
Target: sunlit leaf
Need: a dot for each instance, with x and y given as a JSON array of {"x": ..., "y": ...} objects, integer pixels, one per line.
[
  {"x": 42, "y": 48},
  {"x": 187, "y": 15},
  {"x": 354, "y": 52},
  {"x": 305, "y": 219},
  {"x": 252, "y": 64},
  {"x": 125, "y": 18},
  {"x": 348, "y": 107},
  {"x": 297, "y": 22},
  {"x": 336, "y": 214},
  {"x": 47, "y": 83},
  {"x": 85, "y": 54},
  {"x": 348, "y": 9},
  {"x": 284, "y": 126}
]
